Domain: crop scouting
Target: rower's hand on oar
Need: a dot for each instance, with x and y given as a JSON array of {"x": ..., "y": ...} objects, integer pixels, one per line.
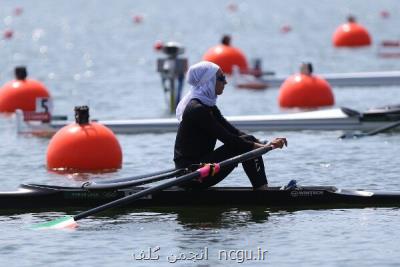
[
  {"x": 276, "y": 143},
  {"x": 279, "y": 142}
]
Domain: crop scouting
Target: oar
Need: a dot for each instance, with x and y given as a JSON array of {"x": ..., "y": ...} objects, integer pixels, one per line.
[
  {"x": 70, "y": 221},
  {"x": 374, "y": 132},
  {"x": 166, "y": 172},
  {"x": 128, "y": 182}
]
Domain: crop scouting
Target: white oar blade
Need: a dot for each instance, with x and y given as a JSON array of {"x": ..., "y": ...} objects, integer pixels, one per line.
[{"x": 60, "y": 223}]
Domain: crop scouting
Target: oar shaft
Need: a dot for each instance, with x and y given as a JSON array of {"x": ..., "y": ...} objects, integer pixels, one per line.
[
  {"x": 166, "y": 172},
  {"x": 180, "y": 180},
  {"x": 384, "y": 128},
  {"x": 246, "y": 156},
  {"x": 138, "y": 195},
  {"x": 373, "y": 132},
  {"x": 128, "y": 183}
]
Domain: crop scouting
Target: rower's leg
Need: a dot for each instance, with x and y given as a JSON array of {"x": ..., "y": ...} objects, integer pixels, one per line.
[{"x": 255, "y": 170}]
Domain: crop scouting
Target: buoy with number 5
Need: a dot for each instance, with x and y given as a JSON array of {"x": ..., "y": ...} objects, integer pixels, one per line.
[{"x": 21, "y": 93}]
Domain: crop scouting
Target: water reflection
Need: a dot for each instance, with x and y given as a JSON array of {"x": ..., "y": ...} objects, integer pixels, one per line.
[
  {"x": 191, "y": 217},
  {"x": 220, "y": 217},
  {"x": 187, "y": 217}
]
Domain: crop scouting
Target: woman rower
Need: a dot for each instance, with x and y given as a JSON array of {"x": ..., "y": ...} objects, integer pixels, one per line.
[{"x": 202, "y": 124}]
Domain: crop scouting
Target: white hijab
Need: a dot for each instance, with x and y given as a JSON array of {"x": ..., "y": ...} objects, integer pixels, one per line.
[{"x": 202, "y": 78}]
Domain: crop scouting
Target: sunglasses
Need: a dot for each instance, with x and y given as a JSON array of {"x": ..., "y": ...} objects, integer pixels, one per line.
[{"x": 221, "y": 78}]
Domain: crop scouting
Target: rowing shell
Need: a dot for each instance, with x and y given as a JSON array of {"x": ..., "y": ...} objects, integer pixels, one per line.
[
  {"x": 44, "y": 197},
  {"x": 329, "y": 119},
  {"x": 355, "y": 79}
]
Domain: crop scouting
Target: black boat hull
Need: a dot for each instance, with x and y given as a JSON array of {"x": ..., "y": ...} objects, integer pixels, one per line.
[{"x": 31, "y": 197}]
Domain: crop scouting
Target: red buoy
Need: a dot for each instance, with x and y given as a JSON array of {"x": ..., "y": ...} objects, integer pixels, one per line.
[
  {"x": 8, "y": 34},
  {"x": 351, "y": 34},
  {"x": 286, "y": 28},
  {"x": 84, "y": 147},
  {"x": 21, "y": 93},
  {"x": 137, "y": 19},
  {"x": 18, "y": 11},
  {"x": 232, "y": 7},
  {"x": 304, "y": 90},
  {"x": 226, "y": 56},
  {"x": 158, "y": 45},
  {"x": 385, "y": 14}
]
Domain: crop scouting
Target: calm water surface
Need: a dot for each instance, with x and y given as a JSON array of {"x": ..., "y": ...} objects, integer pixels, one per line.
[{"x": 88, "y": 52}]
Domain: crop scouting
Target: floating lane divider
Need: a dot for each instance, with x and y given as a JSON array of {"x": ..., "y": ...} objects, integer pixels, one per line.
[{"x": 70, "y": 221}]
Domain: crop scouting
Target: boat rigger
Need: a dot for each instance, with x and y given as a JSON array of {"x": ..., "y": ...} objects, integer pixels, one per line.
[
  {"x": 45, "y": 197},
  {"x": 329, "y": 119}
]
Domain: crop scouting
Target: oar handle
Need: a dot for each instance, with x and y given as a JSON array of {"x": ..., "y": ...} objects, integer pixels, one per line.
[{"x": 202, "y": 172}]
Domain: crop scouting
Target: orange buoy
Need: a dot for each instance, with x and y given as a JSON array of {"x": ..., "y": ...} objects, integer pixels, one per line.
[
  {"x": 21, "y": 93},
  {"x": 226, "y": 56},
  {"x": 305, "y": 90},
  {"x": 351, "y": 34},
  {"x": 84, "y": 146}
]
